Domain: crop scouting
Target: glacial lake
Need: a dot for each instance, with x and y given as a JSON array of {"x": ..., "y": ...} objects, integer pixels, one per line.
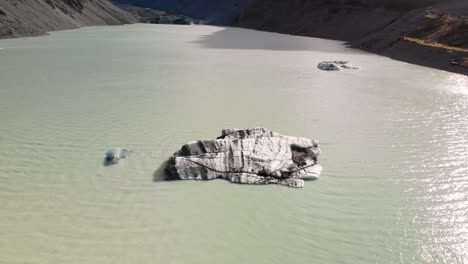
[{"x": 394, "y": 141}]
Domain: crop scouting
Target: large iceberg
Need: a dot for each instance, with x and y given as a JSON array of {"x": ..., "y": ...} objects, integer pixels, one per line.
[{"x": 248, "y": 156}]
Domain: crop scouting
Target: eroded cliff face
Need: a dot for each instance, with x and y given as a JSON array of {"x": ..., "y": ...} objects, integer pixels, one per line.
[{"x": 20, "y": 18}]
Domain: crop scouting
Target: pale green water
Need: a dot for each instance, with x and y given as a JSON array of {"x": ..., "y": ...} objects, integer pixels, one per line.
[{"x": 394, "y": 138}]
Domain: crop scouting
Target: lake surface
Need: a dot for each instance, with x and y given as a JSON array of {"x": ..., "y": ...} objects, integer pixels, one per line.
[{"x": 394, "y": 141}]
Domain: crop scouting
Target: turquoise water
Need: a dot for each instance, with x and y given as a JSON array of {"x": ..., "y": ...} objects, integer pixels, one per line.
[{"x": 394, "y": 140}]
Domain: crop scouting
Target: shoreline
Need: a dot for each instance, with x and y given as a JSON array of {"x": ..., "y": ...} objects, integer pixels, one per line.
[
  {"x": 422, "y": 55},
  {"x": 47, "y": 33},
  {"x": 405, "y": 51}
]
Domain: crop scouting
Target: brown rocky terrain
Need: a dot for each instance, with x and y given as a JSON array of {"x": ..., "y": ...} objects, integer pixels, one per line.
[
  {"x": 444, "y": 31},
  {"x": 434, "y": 36},
  {"x": 19, "y": 18}
]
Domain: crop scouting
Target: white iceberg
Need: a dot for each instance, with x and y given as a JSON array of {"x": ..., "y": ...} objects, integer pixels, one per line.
[{"x": 336, "y": 65}]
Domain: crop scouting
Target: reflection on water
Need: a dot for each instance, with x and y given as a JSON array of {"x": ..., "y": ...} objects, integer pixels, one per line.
[
  {"x": 237, "y": 38},
  {"x": 435, "y": 178},
  {"x": 395, "y": 150},
  {"x": 456, "y": 84}
]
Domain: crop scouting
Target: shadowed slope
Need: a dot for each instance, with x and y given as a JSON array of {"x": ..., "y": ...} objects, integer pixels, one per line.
[{"x": 33, "y": 18}]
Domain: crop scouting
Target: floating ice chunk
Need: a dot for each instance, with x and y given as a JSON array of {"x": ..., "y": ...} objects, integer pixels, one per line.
[
  {"x": 336, "y": 65},
  {"x": 113, "y": 156}
]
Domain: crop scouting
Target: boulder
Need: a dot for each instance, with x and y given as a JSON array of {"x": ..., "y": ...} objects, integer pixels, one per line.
[{"x": 248, "y": 156}]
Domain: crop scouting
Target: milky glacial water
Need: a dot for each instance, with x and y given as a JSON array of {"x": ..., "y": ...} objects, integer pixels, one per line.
[{"x": 394, "y": 141}]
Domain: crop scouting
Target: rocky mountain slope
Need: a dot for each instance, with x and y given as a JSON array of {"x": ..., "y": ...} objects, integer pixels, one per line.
[
  {"x": 154, "y": 16},
  {"x": 20, "y": 18},
  {"x": 425, "y": 32},
  {"x": 435, "y": 36},
  {"x": 220, "y": 12}
]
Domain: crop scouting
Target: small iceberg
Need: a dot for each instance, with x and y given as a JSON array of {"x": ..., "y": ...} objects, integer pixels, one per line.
[
  {"x": 336, "y": 65},
  {"x": 113, "y": 156}
]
